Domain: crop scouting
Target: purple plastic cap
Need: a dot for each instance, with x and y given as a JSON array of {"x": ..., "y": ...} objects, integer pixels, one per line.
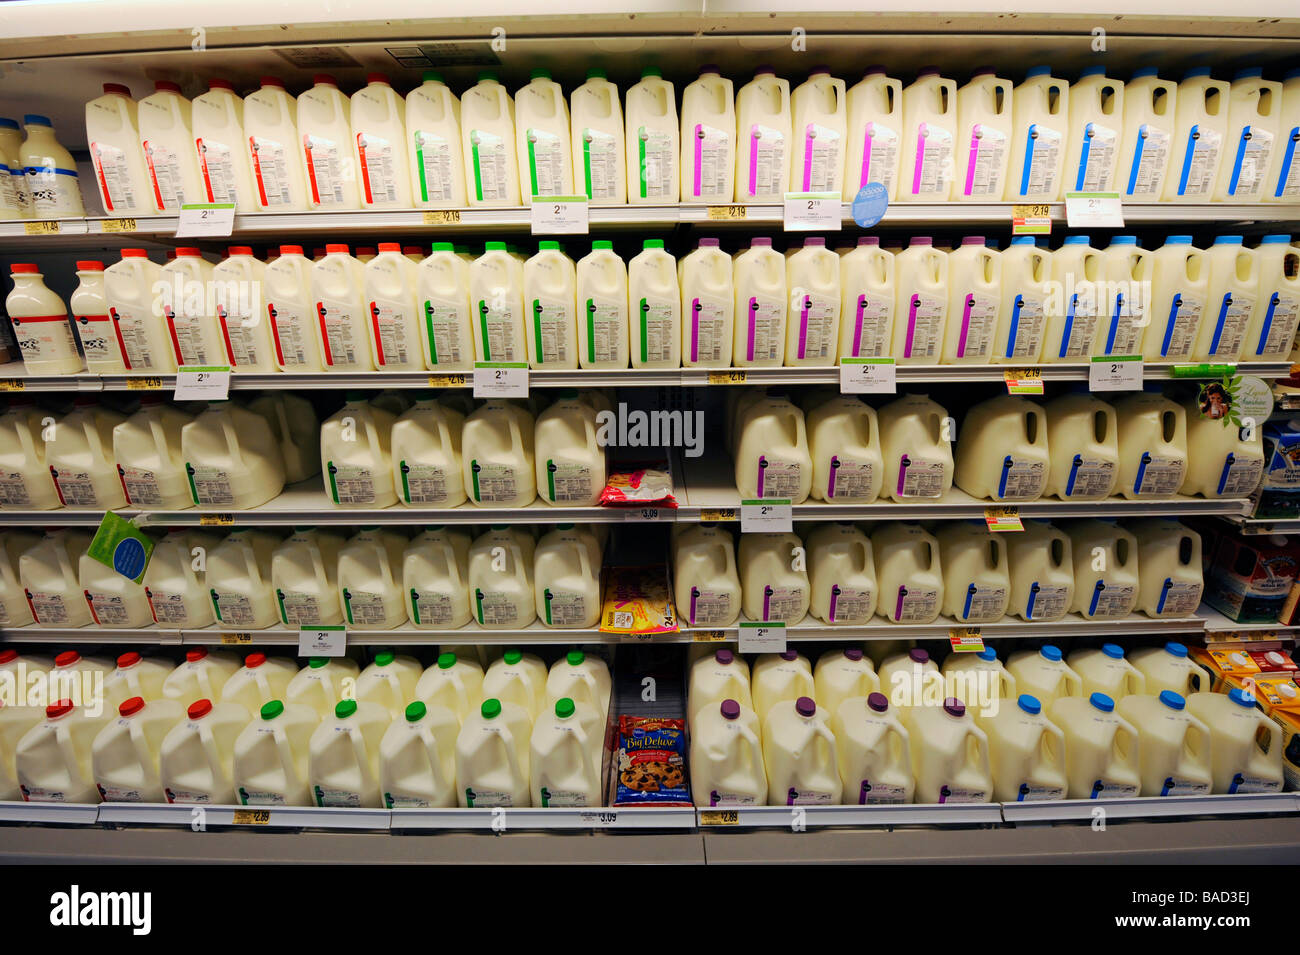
[
  {"x": 790, "y": 655},
  {"x": 876, "y": 70},
  {"x": 805, "y": 706},
  {"x": 761, "y": 240},
  {"x": 868, "y": 240},
  {"x": 927, "y": 71},
  {"x": 819, "y": 70},
  {"x": 954, "y": 707},
  {"x": 878, "y": 702},
  {"x": 765, "y": 69},
  {"x": 983, "y": 71},
  {"x": 918, "y": 655},
  {"x": 853, "y": 653},
  {"x": 972, "y": 240},
  {"x": 920, "y": 240},
  {"x": 730, "y": 710},
  {"x": 725, "y": 657},
  {"x": 816, "y": 240},
  {"x": 709, "y": 68},
  {"x": 708, "y": 243}
]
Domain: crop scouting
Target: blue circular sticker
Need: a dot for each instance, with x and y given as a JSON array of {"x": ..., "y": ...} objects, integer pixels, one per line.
[
  {"x": 870, "y": 203},
  {"x": 128, "y": 558}
]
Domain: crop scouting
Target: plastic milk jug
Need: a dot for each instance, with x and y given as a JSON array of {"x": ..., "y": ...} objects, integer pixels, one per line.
[
  {"x": 708, "y": 306},
  {"x": 819, "y": 117},
  {"x": 1044, "y": 674},
  {"x": 929, "y": 146},
  {"x": 1277, "y": 308},
  {"x": 1170, "y": 668},
  {"x": 727, "y": 756},
  {"x": 875, "y": 125},
  {"x": 1169, "y": 555},
  {"x": 813, "y": 329},
  {"x": 761, "y": 298},
  {"x": 52, "y": 761},
  {"x": 370, "y": 580},
  {"x": 80, "y": 457},
  {"x": 1042, "y": 576},
  {"x": 239, "y": 581},
  {"x": 50, "y": 170},
  {"x": 654, "y": 308},
  {"x": 291, "y": 310},
  {"x": 389, "y": 680},
  {"x": 1105, "y": 570},
  {"x": 1147, "y": 141},
  {"x": 706, "y": 582},
  {"x": 1101, "y": 748},
  {"x": 873, "y": 751},
  {"x": 343, "y": 755},
  {"x": 497, "y": 455},
  {"x": 130, "y": 287},
  {"x": 772, "y": 458},
  {"x": 1123, "y": 315},
  {"x": 1106, "y": 670},
  {"x": 435, "y": 574},
  {"x": 974, "y": 297},
  {"x": 217, "y": 119},
  {"x": 599, "y": 147},
  {"x": 842, "y": 576},
  {"x": 1245, "y": 745},
  {"x": 1074, "y": 311},
  {"x": 40, "y": 323},
  {"x": 89, "y": 305},
  {"x": 950, "y": 754},
  {"x": 501, "y": 581},
  {"x": 260, "y": 680},
  {"x": 391, "y": 302},
  {"x": 113, "y": 138},
  {"x": 338, "y": 282},
  {"x": 844, "y": 440},
  {"x": 708, "y": 139},
  {"x": 15, "y": 196},
  {"x": 379, "y": 137},
  {"x": 1152, "y": 446},
  {"x": 722, "y": 675},
  {"x": 124, "y": 754},
  {"x": 1233, "y": 286},
  {"x": 453, "y": 683},
  {"x": 1179, "y": 288},
  {"x": 550, "y": 302},
  {"x": 653, "y": 141},
  {"x": 1041, "y": 111},
  {"x": 1026, "y": 752},
  {"x": 1025, "y": 270},
  {"x": 904, "y": 675},
  {"x": 296, "y": 429},
  {"x": 70, "y": 668},
  {"x": 566, "y": 579},
  {"x": 174, "y": 586},
  {"x": 492, "y": 756},
  {"x": 201, "y": 676},
  {"x": 487, "y": 126},
  {"x": 14, "y": 609},
  {"x": 114, "y": 600},
  {"x": 443, "y": 312},
  {"x": 1003, "y": 451},
  {"x": 1253, "y": 140},
  {"x": 238, "y": 281},
  {"x": 772, "y": 588},
  {"x": 984, "y": 132},
  {"x": 323, "y": 683},
  {"x": 1200, "y": 137},
  {"x": 910, "y": 573},
  {"x": 433, "y": 144},
  {"x": 1285, "y": 185},
  {"x": 324, "y": 123},
  {"x": 196, "y": 761},
  {"x": 916, "y": 445},
  {"x": 271, "y": 756},
  {"x": 764, "y": 143},
  {"x": 191, "y": 325},
  {"x": 866, "y": 300},
  {"x": 496, "y": 287},
  {"x": 271, "y": 130},
  {"x": 962, "y": 676},
  {"x": 543, "y": 138},
  {"x": 167, "y": 138},
  {"x": 580, "y": 677},
  {"x": 356, "y": 454},
  {"x": 417, "y": 759},
  {"x": 25, "y": 480},
  {"x": 48, "y": 575},
  {"x": 843, "y": 675},
  {"x": 304, "y": 574},
  {"x": 1096, "y": 126},
  {"x": 565, "y": 760},
  {"x": 920, "y": 302},
  {"x": 1174, "y": 746},
  {"x": 426, "y": 455},
  {"x": 976, "y": 582},
  {"x": 602, "y": 308},
  {"x": 232, "y": 458},
  {"x": 135, "y": 675},
  {"x": 1228, "y": 461},
  {"x": 778, "y": 677},
  {"x": 799, "y": 755}
]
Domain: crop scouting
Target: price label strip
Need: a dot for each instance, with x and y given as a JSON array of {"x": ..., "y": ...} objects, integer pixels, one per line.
[
  {"x": 236, "y": 638},
  {"x": 1115, "y": 373},
  {"x": 442, "y": 217},
  {"x": 732, "y": 376},
  {"x": 868, "y": 376},
  {"x": 727, "y": 213},
  {"x": 640, "y": 515},
  {"x": 1023, "y": 381},
  {"x": 767, "y": 515},
  {"x": 762, "y": 637},
  {"x": 1031, "y": 219},
  {"x": 718, "y": 514},
  {"x": 144, "y": 384},
  {"x": 500, "y": 379},
  {"x": 448, "y": 381}
]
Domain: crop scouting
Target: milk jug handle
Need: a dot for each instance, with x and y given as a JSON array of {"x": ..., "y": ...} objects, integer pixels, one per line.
[
  {"x": 65, "y": 562},
  {"x": 372, "y": 437},
  {"x": 232, "y": 442},
  {"x": 63, "y": 736},
  {"x": 516, "y": 436},
  {"x": 141, "y": 746},
  {"x": 444, "y": 432},
  {"x": 580, "y": 737},
  {"x": 362, "y": 757},
  {"x": 1272, "y": 731},
  {"x": 254, "y": 572},
  {"x": 449, "y": 553},
  {"x": 286, "y": 755},
  {"x": 29, "y": 445},
  {"x": 865, "y": 547},
  {"x": 589, "y": 425},
  {"x": 205, "y": 685},
  {"x": 508, "y": 739},
  {"x": 159, "y": 437},
  {"x": 430, "y": 742},
  {"x": 209, "y": 744},
  {"x": 318, "y": 565},
  {"x": 583, "y": 560}
]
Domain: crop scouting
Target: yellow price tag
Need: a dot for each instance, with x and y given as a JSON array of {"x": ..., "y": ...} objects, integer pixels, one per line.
[
  {"x": 1033, "y": 219},
  {"x": 235, "y": 639},
  {"x": 442, "y": 217},
  {"x": 732, "y": 376},
  {"x": 144, "y": 384},
  {"x": 727, "y": 212},
  {"x": 718, "y": 514},
  {"x": 1003, "y": 519},
  {"x": 966, "y": 640},
  {"x": 118, "y": 225},
  {"x": 252, "y": 817},
  {"x": 1023, "y": 381},
  {"x": 42, "y": 227},
  {"x": 708, "y": 636},
  {"x": 216, "y": 520},
  {"x": 12, "y": 384},
  {"x": 448, "y": 381},
  {"x": 719, "y": 817}
]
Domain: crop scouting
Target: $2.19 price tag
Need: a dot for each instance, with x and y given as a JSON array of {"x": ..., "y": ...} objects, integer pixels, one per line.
[
  {"x": 868, "y": 376},
  {"x": 202, "y": 383},
  {"x": 1115, "y": 373},
  {"x": 210, "y": 219},
  {"x": 500, "y": 379}
]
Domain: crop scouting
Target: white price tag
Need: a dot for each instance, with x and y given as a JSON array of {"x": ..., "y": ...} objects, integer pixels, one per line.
[
  {"x": 868, "y": 376},
  {"x": 500, "y": 379},
  {"x": 762, "y": 637},
  {"x": 1116, "y": 373},
  {"x": 202, "y": 383},
  {"x": 1088, "y": 210},
  {"x": 756, "y": 517},
  {"x": 322, "y": 641},
  {"x": 208, "y": 219},
  {"x": 813, "y": 211},
  {"x": 639, "y": 515},
  {"x": 560, "y": 215}
]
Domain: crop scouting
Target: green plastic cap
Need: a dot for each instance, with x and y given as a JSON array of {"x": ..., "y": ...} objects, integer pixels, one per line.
[
  {"x": 652, "y": 244},
  {"x": 499, "y": 527},
  {"x": 384, "y": 658},
  {"x": 491, "y": 708},
  {"x": 549, "y": 246},
  {"x": 494, "y": 247},
  {"x": 564, "y": 527},
  {"x": 317, "y": 662},
  {"x": 488, "y": 76},
  {"x": 443, "y": 247},
  {"x": 345, "y": 708},
  {"x": 272, "y": 709},
  {"x": 604, "y": 244},
  {"x": 512, "y": 656},
  {"x": 303, "y": 528},
  {"x": 431, "y": 76},
  {"x": 596, "y": 74},
  {"x": 652, "y": 71},
  {"x": 564, "y": 707},
  {"x": 575, "y": 657},
  {"x": 539, "y": 74},
  {"x": 446, "y": 660},
  {"x": 415, "y": 712}
]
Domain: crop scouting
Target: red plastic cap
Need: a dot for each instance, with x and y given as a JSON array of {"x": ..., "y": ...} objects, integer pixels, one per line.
[
  {"x": 67, "y": 658},
  {"x": 390, "y": 247},
  {"x": 199, "y": 709},
  {"x": 131, "y": 706},
  {"x": 195, "y": 655},
  {"x": 166, "y": 86},
  {"x": 325, "y": 78},
  {"x": 24, "y": 268},
  {"x": 331, "y": 248},
  {"x": 254, "y": 660},
  {"x": 171, "y": 255},
  {"x": 8, "y": 656},
  {"x": 291, "y": 250},
  {"x": 88, "y": 266},
  {"x": 272, "y": 81},
  {"x": 240, "y": 250},
  {"x": 378, "y": 78},
  {"x": 61, "y": 708},
  {"x": 117, "y": 88},
  {"x": 188, "y": 251},
  {"x": 128, "y": 659},
  {"x": 134, "y": 254},
  {"x": 221, "y": 85}
]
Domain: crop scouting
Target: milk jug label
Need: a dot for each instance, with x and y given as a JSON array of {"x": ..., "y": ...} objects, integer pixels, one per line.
[
  {"x": 337, "y": 326},
  {"x": 95, "y": 341},
  {"x": 13, "y": 490},
  {"x": 378, "y": 168},
  {"x": 1288, "y": 179},
  {"x": 1096, "y": 161},
  {"x": 443, "y": 321},
  {"x": 433, "y": 164},
  {"x": 188, "y": 340},
  {"x": 218, "y": 170},
  {"x": 818, "y": 326},
  {"x": 164, "y": 174},
  {"x": 289, "y": 329},
  {"x": 1230, "y": 325},
  {"x": 920, "y": 477},
  {"x": 493, "y": 482},
  {"x": 44, "y": 337},
  {"x": 4, "y": 614},
  {"x": 983, "y": 603},
  {"x": 232, "y": 608},
  {"x": 298, "y": 608},
  {"x": 879, "y": 155},
  {"x": 270, "y": 160},
  {"x": 388, "y": 322},
  {"x": 52, "y": 189},
  {"x": 76, "y": 488},
  {"x": 327, "y": 796},
  {"x": 1178, "y": 598},
  {"x": 1200, "y": 161},
  {"x": 1179, "y": 786},
  {"x": 655, "y": 158},
  {"x": 707, "y": 325},
  {"x": 1025, "y": 335},
  {"x": 871, "y": 328},
  {"x": 1046, "y": 601},
  {"x": 656, "y": 320},
  {"x": 712, "y": 152},
  {"x": 849, "y": 603},
  {"x": 924, "y": 326},
  {"x": 821, "y": 153},
  {"x": 423, "y": 483},
  {"x": 1110, "y": 600},
  {"x": 495, "y": 324},
  {"x": 546, "y": 163},
  {"x": 978, "y": 318},
  {"x": 1028, "y": 792},
  {"x": 1246, "y": 783},
  {"x": 807, "y": 797},
  {"x": 1148, "y": 161},
  {"x": 405, "y": 802},
  {"x": 782, "y": 603},
  {"x": 932, "y": 168},
  {"x": 1123, "y": 332},
  {"x": 431, "y": 608},
  {"x": 1180, "y": 329},
  {"x": 259, "y": 797},
  {"x": 495, "y": 607},
  {"x": 166, "y": 607},
  {"x": 476, "y": 797},
  {"x": 916, "y": 604},
  {"x": 987, "y": 148},
  {"x": 604, "y": 317},
  {"x": 324, "y": 169},
  {"x": 238, "y": 328},
  {"x": 1080, "y": 327},
  {"x": 778, "y": 479},
  {"x": 766, "y": 160},
  {"x": 47, "y": 607},
  {"x": 1240, "y": 478},
  {"x": 880, "y": 794},
  {"x": 1251, "y": 162},
  {"x": 119, "y": 793},
  {"x": 563, "y": 608},
  {"x": 568, "y": 481},
  {"x": 1108, "y": 789},
  {"x": 1042, "y": 150},
  {"x": 490, "y": 164},
  {"x": 763, "y": 316},
  {"x": 600, "y": 163},
  {"x": 364, "y": 607},
  {"x": 210, "y": 486},
  {"x": 186, "y": 797},
  {"x": 1281, "y": 315},
  {"x": 14, "y": 197},
  {"x": 141, "y": 486},
  {"x": 709, "y": 607},
  {"x": 114, "y": 177},
  {"x": 1021, "y": 479},
  {"x": 351, "y": 483},
  {"x": 850, "y": 480},
  {"x": 133, "y": 336},
  {"x": 725, "y": 798},
  {"x": 948, "y": 793},
  {"x": 550, "y": 320},
  {"x": 1159, "y": 475}
]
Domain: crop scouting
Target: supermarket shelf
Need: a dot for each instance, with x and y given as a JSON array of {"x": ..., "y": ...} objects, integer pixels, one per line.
[
  {"x": 62, "y": 814},
  {"x": 816, "y": 817},
  {"x": 278, "y": 817},
  {"x": 105, "y": 636},
  {"x": 1185, "y": 807},
  {"x": 59, "y": 517},
  {"x": 1266, "y": 525},
  {"x": 1215, "y": 622},
  {"x": 504, "y": 820}
]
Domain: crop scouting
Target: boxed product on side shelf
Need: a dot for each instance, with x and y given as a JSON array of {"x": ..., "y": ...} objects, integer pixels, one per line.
[
  {"x": 649, "y": 765},
  {"x": 1248, "y": 579}
]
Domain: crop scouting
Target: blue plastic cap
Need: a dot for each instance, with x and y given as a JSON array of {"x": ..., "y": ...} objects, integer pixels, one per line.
[
  {"x": 1228, "y": 240},
  {"x": 1029, "y": 704},
  {"x": 1113, "y": 650},
  {"x": 1291, "y": 74},
  {"x": 7, "y": 123},
  {"x": 35, "y": 119},
  {"x": 1275, "y": 240},
  {"x": 1249, "y": 73},
  {"x": 1124, "y": 240},
  {"x": 1172, "y": 700},
  {"x": 988, "y": 654},
  {"x": 1176, "y": 648},
  {"x": 1038, "y": 71},
  {"x": 1196, "y": 71},
  {"x": 1241, "y": 697},
  {"x": 1102, "y": 702},
  {"x": 1145, "y": 71},
  {"x": 1093, "y": 71},
  {"x": 1178, "y": 240},
  {"x": 1051, "y": 653},
  {"x": 1077, "y": 240},
  {"x": 1022, "y": 240}
]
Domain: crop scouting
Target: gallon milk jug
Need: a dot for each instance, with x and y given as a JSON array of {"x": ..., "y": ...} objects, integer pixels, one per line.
[
  {"x": 356, "y": 454},
  {"x": 89, "y": 305},
  {"x": 654, "y": 308},
  {"x": 1174, "y": 746},
  {"x": 916, "y": 444},
  {"x": 433, "y": 144},
  {"x": 271, "y": 130},
  {"x": 875, "y": 125},
  {"x": 291, "y": 309},
  {"x": 1074, "y": 311},
  {"x": 653, "y": 140},
  {"x": 772, "y": 456},
  {"x": 1152, "y": 446},
  {"x": 501, "y": 581},
  {"x": 238, "y": 280},
  {"x": 80, "y": 457},
  {"x": 260, "y": 680},
  {"x": 519, "y": 678},
  {"x": 1026, "y": 753},
  {"x": 73, "y": 673},
  {"x": 454, "y": 683},
  {"x": 778, "y": 677},
  {"x": 1170, "y": 668},
  {"x": 772, "y": 589},
  {"x": 1040, "y": 114},
  {"x": 760, "y": 288},
  {"x": 1105, "y": 570},
  {"x": 799, "y": 755},
  {"x": 1025, "y": 270},
  {"x": 1246, "y": 746},
  {"x": 231, "y": 458},
  {"x": 114, "y": 600},
  {"x": 566, "y": 578},
  {"x": 565, "y": 756},
  {"x": 338, "y": 282},
  {"x": 842, "y": 576},
  {"x": 1234, "y": 283},
  {"x": 443, "y": 309},
  {"x": 1277, "y": 309},
  {"x": 379, "y": 136},
  {"x": 1285, "y": 186},
  {"x": 727, "y": 756},
  {"x": 1096, "y": 125},
  {"x": 325, "y": 126},
  {"x": 708, "y": 139},
  {"x": 950, "y": 754},
  {"x": 1003, "y": 451},
  {"x": 978, "y": 676},
  {"x": 813, "y": 329},
  {"x": 570, "y": 464},
  {"x": 296, "y": 429},
  {"x": 14, "y": 609},
  {"x": 1228, "y": 462},
  {"x": 819, "y": 118},
  {"x": 271, "y": 756},
  {"x": 322, "y": 683},
  {"x": 487, "y": 126},
  {"x": 147, "y": 452},
  {"x": 217, "y": 118},
  {"x": 52, "y": 761},
  {"x": 426, "y": 455},
  {"x": 435, "y": 575},
  {"x": 722, "y": 675},
  {"x": 492, "y": 757},
  {"x": 1200, "y": 137},
  {"x": 167, "y": 139},
  {"x": 370, "y": 580},
  {"x": 1147, "y": 142},
  {"x": 928, "y": 160},
  {"x": 1044, "y": 674},
  {"x": 239, "y": 581},
  {"x": 1105, "y": 670},
  {"x": 1042, "y": 575},
  {"x": 343, "y": 755},
  {"x": 1169, "y": 555},
  {"x": 135, "y": 675},
  {"x": 196, "y": 761},
  {"x": 843, "y": 675},
  {"x": 496, "y": 292},
  {"x": 40, "y": 323},
  {"x": 201, "y": 676},
  {"x": 1123, "y": 318},
  {"x": 417, "y": 759},
  {"x": 394, "y": 327},
  {"x": 844, "y": 441},
  {"x": 130, "y": 286},
  {"x": 974, "y": 295},
  {"x": 543, "y": 138},
  {"x": 25, "y": 480},
  {"x": 905, "y": 675},
  {"x": 497, "y": 460},
  {"x": 582, "y": 678},
  {"x": 50, "y": 170},
  {"x": 124, "y": 754},
  {"x": 873, "y": 752},
  {"x": 764, "y": 143},
  {"x": 920, "y": 302},
  {"x": 708, "y": 306},
  {"x": 976, "y": 583},
  {"x": 304, "y": 574},
  {"x": 173, "y": 585},
  {"x": 113, "y": 138},
  {"x": 184, "y": 294},
  {"x": 602, "y": 303},
  {"x": 389, "y": 680},
  {"x": 48, "y": 575},
  {"x": 866, "y": 300},
  {"x": 910, "y": 573},
  {"x": 706, "y": 584},
  {"x": 1083, "y": 444},
  {"x": 1101, "y": 748},
  {"x": 1252, "y": 142},
  {"x": 984, "y": 131}
]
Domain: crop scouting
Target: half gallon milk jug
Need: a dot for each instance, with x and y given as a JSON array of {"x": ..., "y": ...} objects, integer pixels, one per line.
[
  {"x": 1179, "y": 288},
  {"x": 1044, "y": 674},
  {"x": 1101, "y": 748},
  {"x": 866, "y": 300},
  {"x": 764, "y": 143},
  {"x": 1026, "y": 752},
  {"x": 135, "y": 675},
  {"x": 291, "y": 309},
  {"x": 978, "y": 676},
  {"x": 1246, "y": 745},
  {"x": 196, "y": 761},
  {"x": 167, "y": 139},
  {"x": 322, "y": 683},
  {"x": 52, "y": 761},
  {"x": 232, "y": 458},
  {"x": 1200, "y": 137},
  {"x": 543, "y": 138},
  {"x": 40, "y": 323},
  {"x": 1233, "y": 286},
  {"x": 370, "y": 580},
  {"x": 25, "y": 480},
  {"x": 325, "y": 125},
  {"x": 296, "y": 429},
  {"x": 916, "y": 444},
  {"x": 1285, "y": 186},
  {"x": 1105, "y": 570},
  {"x": 443, "y": 311},
  {"x": 819, "y": 117},
  {"x": 389, "y": 680},
  {"x": 873, "y": 752},
  {"x": 501, "y": 581},
  {"x": 1105, "y": 670},
  {"x": 147, "y": 452},
  {"x": 426, "y": 456},
  {"x": 708, "y": 306},
  {"x": 1174, "y": 746},
  {"x": 379, "y": 136},
  {"x": 950, "y": 754},
  {"x": 435, "y": 576},
  {"x": 492, "y": 757},
  {"x": 184, "y": 294},
  {"x": 1083, "y": 444},
  {"x": 706, "y": 584},
  {"x": 1003, "y": 451},
  {"x": 48, "y": 575},
  {"x": 565, "y": 759},
  {"x": 1252, "y": 143},
  {"x": 1074, "y": 310},
  {"x": 201, "y": 676},
  {"x": 1277, "y": 308},
  {"x": 580, "y": 677},
  {"x": 217, "y": 118},
  {"x": 113, "y": 138},
  {"x": 708, "y": 138},
  {"x": 772, "y": 456},
  {"x": 566, "y": 578},
  {"x": 1025, "y": 272},
  {"x": 928, "y": 160},
  {"x": 14, "y": 609},
  {"x": 910, "y": 573},
  {"x": 799, "y": 755},
  {"x": 1042, "y": 575},
  {"x": 417, "y": 759},
  {"x": 843, "y": 675},
  {"x": 1228, "y": 461},
  {"x": 920, "y": 302},
  {"x": 599, "y": 146},
  {"x": 15, "y": 196},
  {"x": 1170, "y": 668},
  {"x": 89, "y": 305},
  {"x": 356, "y": 454},
  {"x": 238, "y": 280},
  {"x": 80, "y": 457},
  {"x": 654, "y": 308},
  {"x": 1096, "y": 125},
  {"x": 974, "y": 295},
  {"x": 304, "y": 573},
  {"x": 722, "y": 675},
  {"x": 1040, "y": 114},
  {"x": 239, "y": 581},
  {"x": 338, "y": 281},
  {"x": 271, "y": 756},
  {"x": 1123, "y": 318},
  {"x": 602, "y": 308},
  {"x": 1169, "y": 555},
  {"x": 778, "y": 677},
  {"x": 976, "y": 583},
  {"x": 394, "y": 326},
  {"x": 497, "y": 460},
  {"x": 760, "y": 288},
  {"x": 454, "y": 683},
  {"x": 173, "y": 584},
  {"x": 842, "y": 576},
  {"x": 1147, "y": 142},
  {"x": 51, "y": 172},
  {"x": 1152, "y": 446},
  {"x": 727, "y": 756},
  {"x": 130, "y": 287},
  {"x": 844, "y": 441},
  {"x": 905, "y": 675},
  {"x": 984, "y": 131},
  {"x": 124, "y": 755},
  {"x": 114, "y": 599},
  {"x": 550, "y": 287},
  {"x": 653, "y": 140},
  {"x": 813, "y": 329},
  {"x": 271, "y": 130},
  {"x": 433, "y": 144},
  {"x": 875, "y": 125},
  {"x": 487, "y": 126},
  {"x": 260, "y": 680},
  {"x": 496, "y": 295},
  {"x": 343, "y": 755}
]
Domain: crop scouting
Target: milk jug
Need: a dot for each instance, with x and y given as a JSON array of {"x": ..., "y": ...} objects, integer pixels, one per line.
[
  {"x": 1026, "y": 753},
  {"x": 549, "y": 297},
  {"x": 1234, "y": 283},
  {"x": 338, "y": 282},
  {"x": 497, "y": 460},
  {"x": 978, "y": 676},
  {"x": 197, "y": 755},
  {"x": 764, "y": 144},
  {"x": 1179, "y": 288},
  {"x": 260, "y": 680},
  {"x": 950, "y": 754},
  {"x": 389, "y": 680},
  {"x": 496, "y": 287},
  {"x": 655, "y": 308},
  {"x": 426, "y": 455},
  {"x": 1101, "y": 748},
  {"x": 708, "y": 306},
  {"x": 1042, "y": 575},
  {"x": 1096, "y": 125},
  {"x": 778, "y": 677},
  {"x": 602, "y": 302},
  {"x": 842, "y": 576},
  {"x": 1040, "y": 115},
  {"x": 920, "y": 302},
  {"x": 435, "y": 574},
  {"x": 1025, "y": 272},
  {"x": 325, "y": 127},
  {"x": 599, "y": 145},
  {"x": 80, "y": 457},
  {"x": 1170, "y": 668},
  {"x": 1147, "y": 141},
  {"x": 1175, "y": 746},
  {"x": 905, "y": 675},
  {"x": 303, "y": 573},
  {"x": 653, "y": 140},
  {"x": 231, "y": 458},
  {"x": 167, "y": 139},
  {"x": 708, "y": 139},
  {"x": 722, "y": 675},
  {"x": 565, "y": 759},
  {"x": 1200, "y": 137},
  {"x": 1152, "y": 446},
  {"x": 217, "y": 118},
  {"x": 1003, "y": 451},
  {"x": 147, "y": 452},
  {"x": 518, "y": 678},
  {"x": 910, "y": 573},
  {"x": 89, "y": 306},
  {"x": 773, "y": 588},
  {"x": 1277, "y": 309},
  {"x": 916, "y": 445},
  {"x": 542, "y": 137},
  {"x": 135, "y": 675},
  {"x": 433, "y": 144},
  {"x": 369, "y": 579},
  {"x": 25, "y": 480},
  {"x": 813, "y": 330},
  {"x": 727, "y": 756},
  {"x": 453, "y": 683},
  {"x": 492, "y": 757},
  {"x": 50, "y": 170},
  {"x": 52, "y": 761},
  {"x": 356, "y": 454},
  {"x": 1169, "y": 556},
  {"x": 1044, "y": 674},
  {"x": 443, "y": 309},
  {"x": 14, "y": 609},
  {"x": 760, "y": 290},
  {"x": 343, "y": 755},
  {"x": 1286, "y": 181},
  {"x": 322, "y": 683},
  {"x": 271, "y": 130},
  {"x": 487, "y": 127},
  {"x": 582, "y": 678},
  {"x": 379, "y": 137},
  {"x": 819, "y": 117},
  {"x": 976, "y": 583},
  {"x": 271, "y": 755},
  {"x": 174, "y": 586},
  {"x": 1252, "y": 140},
  {"x": 706, "y": 584},
  {"x": 185, "y": 298},
  {"x": 201, "y": 676},
  {"x": 875, "y": 125},
  {"x": 984, "y": 132},
  {"x": 844, "y": 441},
  {"x": 566, "y": 578},
  {"x": 417, "y": 759},
  {"x": 291, "y": 309},
  {"x": 48, "y": 575},
  {"x": 15, "y": 196},
  {"x": 124, "y": 755},
  {"x": 799, "y": 755},
  {"x": 390, "y": 287},
  {"x": 237, "y": 281},
  {"x": 843, "y": 675},
  {"x": 1123, "y": 315},
  {"x": 1105, "y": 670},
  {"x": 772, "y": 457},
  {"x": 113, "y": 138},
  {"x": 239, "y": 581},
  {"x": 1245, "y": 745},
  {"x": 929, "y": 138},
  {"x": 114, "y": 599},
  {"x": 873, "y": 752},
  {"x": 866, "y": 300},
  {"x": 1074, "y": 310},
  {"x": 130, "y": 286},
  {"x": 1229, "y": 461},
  {"x": 974, "y": 294},
  {"x": 296, "y": 429},
  {"x": 73, "y": 673},
  {"x": 40, "y": 324},
  {"x": 501, "y": 581},
  {"x": 1106, "y": 570}
]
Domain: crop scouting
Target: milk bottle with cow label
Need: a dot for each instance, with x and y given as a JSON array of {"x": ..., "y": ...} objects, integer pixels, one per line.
[
  {"x": 325, "y": 128},
  {"x": 94, "y": 326},
  {"x": 727, "y": 755},
  {"x": 238, "y": 280},
  {"x": 866, "y": 300},
  {"x": 844, "y": 440},
  {"x": 1179, "y": 287},
  {"x": 271, "y": 131},
  {"x": 764, "y": 141},
  {"x": 1003, "y": 453},
  {"x": 196, "y": 761},
  {"x": 338, "y": 282},
  {"x": 653, "y": 140},
  {"x": 708, "y": 306},
  {"x": 124, "y": 754},
  {"x": 1175, "y": 748},
  {"x": 113, "y": 138},
  {"x": 910, "y": 573},
  {"x": 974, "y": 296},
  {"x": 773, "y": 581},
  {"x": 1026, "y": 271},
  {"x": 1245, "y": 745},
  {"x": 379, "y": 138},
  {"x": 304, "y": 574},
  {"x": 1041, "y": 115},
  {"x": 271, "y": 756},
  {"x": 1152, "y": 446},
  {"x": 1169, "y": 555},
  {"x": 819, "y": 117},
  {"x": 1042, "y": 574},
  {"x": 984, "y": 131},
  {"x": 875, "y": 127},
  {"x": 217, "y": 118},
  {"x": 543, "y": 138},
  {"x": 1234, "y": 284},
  {"x": 873, "y": 751},
  {"x": 761, "y": 303},
  {"x": 916, "y": 444},
  {"x": 1147, "y": 143},
  {"x": 920, "y": 302},
  {"x": 433, "y": 142},
  {"x": 799, "y": 755},
  {"x": 813, "y": 329},
  {"x": 654, "y": 308},
  {"x": 1228, "y": 461},
  {"x": 950, "y": 754},
  {"x": 1074, "y": 309},
  {"x": 1277, "y": 308},
  {"x": 1096, "y": 125},
  {"x": 239, "y": 581},
  {"x": 976, "y": 584},
  {"x": 80, "y": 457},
  {"x": 929, "y": 145},
  {"x": 708, "y": 139},
  {"x": 599, "y": 146},
  {"x": 50, "y": 171},
  {"x": 1252, "y": 142},
  {"x": 130, "y": 286},
  {"x": 1105, "y": 570},
  {"x": 15, "y": 195},
  {"x": 167, "y": 138},
  {"x": 1200, "y": 137},
  {"x": 1026, "y": 752},
  {"x": 47, "y": 573},
  {"x": 705, "y": 579},
  {"x": 40, "y": 324}
]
